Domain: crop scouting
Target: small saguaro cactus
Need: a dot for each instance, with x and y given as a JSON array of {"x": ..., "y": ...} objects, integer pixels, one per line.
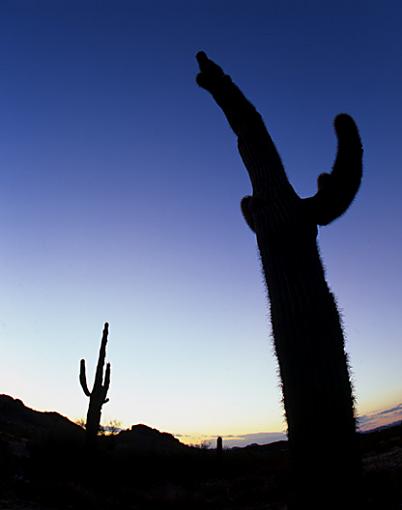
[
  {"x": 219, "y": 446},
  {"x": 97, "y": 397}
]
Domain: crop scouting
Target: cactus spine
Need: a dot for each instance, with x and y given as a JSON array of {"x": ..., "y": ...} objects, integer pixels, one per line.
[
  {"x": 307, "y": 332},
  {"x": 97, "y": 397}
]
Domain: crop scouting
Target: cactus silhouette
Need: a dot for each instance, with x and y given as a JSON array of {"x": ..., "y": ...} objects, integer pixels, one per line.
[
  {"x": 308, "y": 335},
  {"x": 219, "y": 446},
  {"x": 97, "y": 397}
]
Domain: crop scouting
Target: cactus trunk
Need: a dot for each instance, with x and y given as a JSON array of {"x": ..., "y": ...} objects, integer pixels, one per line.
[{"x": 317, "y": 393}]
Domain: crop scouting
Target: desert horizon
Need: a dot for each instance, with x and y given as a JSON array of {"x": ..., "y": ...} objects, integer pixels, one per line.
[{"x": 377, "y": 419}]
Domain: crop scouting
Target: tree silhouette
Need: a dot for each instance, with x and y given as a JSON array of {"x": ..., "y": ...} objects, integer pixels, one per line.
[{"x": 307, "y": 331}]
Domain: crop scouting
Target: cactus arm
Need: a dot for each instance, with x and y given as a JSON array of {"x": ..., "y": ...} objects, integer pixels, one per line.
[
  {"x": 83, "y": 378},
  {"x": 246, "y": 206},
  {"x": 337, "y": 190},
  {"x": 256, "y": 147},
  {"x": 107, "y": 377},
  {"x": 106, "y": 383},
  {"x": 238, "y": 110}
]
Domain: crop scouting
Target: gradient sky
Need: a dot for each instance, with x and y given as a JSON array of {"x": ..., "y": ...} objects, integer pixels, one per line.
[{"x": 120, "y": 185}]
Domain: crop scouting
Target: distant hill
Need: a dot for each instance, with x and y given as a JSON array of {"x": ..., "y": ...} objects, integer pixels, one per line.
[
  {"x": 392, "y": 425},
  {"x": 21, "y": 426},
  {"x": 144, "y": 439}
]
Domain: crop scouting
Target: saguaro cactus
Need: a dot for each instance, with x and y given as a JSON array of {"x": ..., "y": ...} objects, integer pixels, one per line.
[
  {"x": 97, "y": 397},
  {"x": 308, "y": 335},
  {"x": 219, "y": 446}
]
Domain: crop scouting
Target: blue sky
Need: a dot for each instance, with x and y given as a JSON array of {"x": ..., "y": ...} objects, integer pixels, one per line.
[{"x": 120, "y": 185}]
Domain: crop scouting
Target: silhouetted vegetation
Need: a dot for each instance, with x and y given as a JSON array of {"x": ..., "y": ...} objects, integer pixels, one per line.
[
  {"x": 97, "y": 397},
  {"x": 307, "y": 331}
]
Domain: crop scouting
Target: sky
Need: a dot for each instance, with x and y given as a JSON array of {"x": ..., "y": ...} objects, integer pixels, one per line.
[{"x": 120, "y": 185}]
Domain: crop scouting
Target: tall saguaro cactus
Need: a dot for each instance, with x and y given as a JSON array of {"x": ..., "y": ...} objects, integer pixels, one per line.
[
  {"x": 97, "y": 397},
  {"x": 307, "y": 332}
]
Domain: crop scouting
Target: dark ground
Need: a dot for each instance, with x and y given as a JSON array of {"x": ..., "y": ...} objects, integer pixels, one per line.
[{"x": 44, "y": 465}]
